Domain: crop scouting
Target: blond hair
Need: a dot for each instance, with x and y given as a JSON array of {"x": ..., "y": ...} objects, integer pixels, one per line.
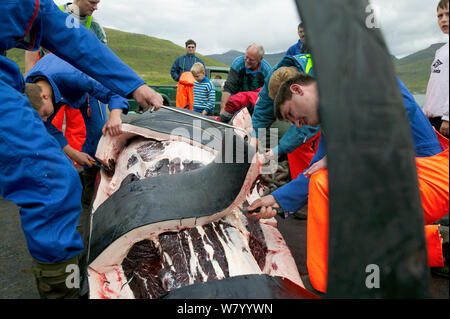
[
  {"x": 279, "y": 76},
  {"x": 197, "y": 68}
]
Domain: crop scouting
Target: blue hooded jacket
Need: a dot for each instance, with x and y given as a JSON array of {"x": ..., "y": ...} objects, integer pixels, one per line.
[
  {"x": 35, "y": 174},
  {"x": 79, "y": 91}
]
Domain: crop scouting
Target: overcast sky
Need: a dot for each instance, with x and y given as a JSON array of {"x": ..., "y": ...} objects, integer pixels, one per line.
[{"x": 222, "y": 25}]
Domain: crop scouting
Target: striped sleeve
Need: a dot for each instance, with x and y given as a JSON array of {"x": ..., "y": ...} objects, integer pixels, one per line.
[
  {"x": 204, "y": 96},
  {"x": 212, "y": 97},
  {"x": 265, "y": 68}
]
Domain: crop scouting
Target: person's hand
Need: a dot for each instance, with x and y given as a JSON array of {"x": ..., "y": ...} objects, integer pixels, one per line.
[
  {"x": 270, "y": 155},
  {"x": 254, "y": 142},
  {"x": 204, "y": 112},
  {"x": 266, "y": 203},
  {"x": 147, "y": 97},
  {"x": 315, "y": 167},
  {"x": 444, "y": 128},
  {"x": 79, "y": 157},
  {"x": 223, "y": 102},
  {"x": 114, "y": 124},
  {"x": 83, "y": 159}
]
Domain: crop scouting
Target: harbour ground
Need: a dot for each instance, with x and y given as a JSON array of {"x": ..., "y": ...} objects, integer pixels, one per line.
[{"x": 14, "y": 256}]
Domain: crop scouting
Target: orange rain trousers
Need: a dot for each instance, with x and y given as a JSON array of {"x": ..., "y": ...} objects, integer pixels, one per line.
[
  {"x": 433, "y": 176},
  {"x": 301, "y": 157},
  {"x": 185, "y": 91},
  {"x": 75, "y": 132}
]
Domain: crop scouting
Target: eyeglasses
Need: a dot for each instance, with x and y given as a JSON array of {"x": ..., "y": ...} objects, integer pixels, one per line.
[{"x": 251, "y": 60}]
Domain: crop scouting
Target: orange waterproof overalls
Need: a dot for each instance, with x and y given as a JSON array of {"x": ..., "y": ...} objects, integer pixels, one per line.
[
  {"x": 185, "y": 91},
  {"x": 433, "y": 177}
]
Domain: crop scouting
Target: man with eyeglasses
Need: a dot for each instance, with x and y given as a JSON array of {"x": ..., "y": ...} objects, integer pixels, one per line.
[
  {"x": 181, "y": 72},
  {"x": 247, "y": 73},
  {"x": 185, "y": 62}
]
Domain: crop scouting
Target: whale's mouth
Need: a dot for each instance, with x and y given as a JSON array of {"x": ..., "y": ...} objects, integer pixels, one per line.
[{"x": 171, "y": 216}]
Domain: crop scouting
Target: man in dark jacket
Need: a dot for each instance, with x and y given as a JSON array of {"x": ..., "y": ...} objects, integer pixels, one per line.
[
  {"x": 185, "y": 62},
  {"x": 247, "y": 73}
]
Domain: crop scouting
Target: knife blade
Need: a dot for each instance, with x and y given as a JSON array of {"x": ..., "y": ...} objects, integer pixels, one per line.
[{"x": 101, "y": 165}]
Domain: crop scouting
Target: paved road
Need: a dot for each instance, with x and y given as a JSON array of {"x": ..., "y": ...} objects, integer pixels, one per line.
[{"x": 14, "y": 257}]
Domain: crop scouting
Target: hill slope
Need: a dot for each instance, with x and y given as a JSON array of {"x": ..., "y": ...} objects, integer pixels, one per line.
[
  {"x": 149, "y": 57},
  {"x": 414, "y": 69}
]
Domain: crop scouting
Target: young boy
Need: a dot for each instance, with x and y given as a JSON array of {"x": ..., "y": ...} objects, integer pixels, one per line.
[
  {"x": 204, "y": 92},
  {"x": 61, "y": 83},
  {"x": 436, "y": 102}
]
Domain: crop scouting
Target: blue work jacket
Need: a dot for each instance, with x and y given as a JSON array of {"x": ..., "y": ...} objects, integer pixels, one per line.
[
  {"x": 294, "y": 195},
  {"x": 294, "y": 49},
  {"x": 35, "y": 174},
  {"x": 182, "y": 64}
]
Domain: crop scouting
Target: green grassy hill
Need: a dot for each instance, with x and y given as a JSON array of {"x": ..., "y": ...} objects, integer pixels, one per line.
[
  {"x": 149, "y": 57},
  {"x": 414, "y": 70}
]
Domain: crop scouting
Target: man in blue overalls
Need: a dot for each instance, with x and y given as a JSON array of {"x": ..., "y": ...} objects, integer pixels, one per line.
[
  {"x": 66, "y": 84},
  {"x": 34, "y": 172}
]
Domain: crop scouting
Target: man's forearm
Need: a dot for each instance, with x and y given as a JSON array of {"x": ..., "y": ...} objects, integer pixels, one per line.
[
  {"x": 69, "y": 151},
  {"x": 225, "y": 97},
  {"x": 31, "y": 58}
]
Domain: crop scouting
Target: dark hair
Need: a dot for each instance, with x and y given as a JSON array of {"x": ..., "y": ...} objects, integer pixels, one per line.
[
  {"x": 443, "y": 4},
  {"x": 190, "y": 41},
  {"x": 284, "y": 92},
  {"x": 300, "y": 26},
  {"x": 33, "y": 92}
]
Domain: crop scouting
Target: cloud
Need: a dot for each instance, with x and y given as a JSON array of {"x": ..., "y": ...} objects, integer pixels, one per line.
[
  {"x": 222, "y": 25},
  {"x": 408, "y": 26}
]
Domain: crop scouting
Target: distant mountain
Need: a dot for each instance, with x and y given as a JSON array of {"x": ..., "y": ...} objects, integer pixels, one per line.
[
  {"x": 228, "y": 57},
  {"x": 413, "y": 70}
]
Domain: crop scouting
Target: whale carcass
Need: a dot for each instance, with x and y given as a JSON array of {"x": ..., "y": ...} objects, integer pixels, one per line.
[{"x": 167, "y": 221}]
